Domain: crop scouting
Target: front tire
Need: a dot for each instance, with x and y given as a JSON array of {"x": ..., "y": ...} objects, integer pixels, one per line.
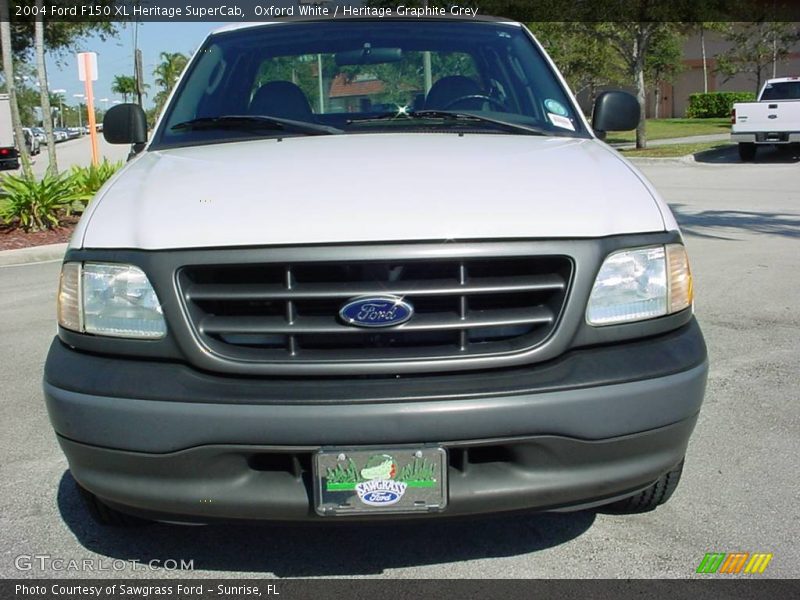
[
  {"x": 654, "y": 496},
  {"x": 102, "y": 514},
  {"x": 747, "y": 151}
]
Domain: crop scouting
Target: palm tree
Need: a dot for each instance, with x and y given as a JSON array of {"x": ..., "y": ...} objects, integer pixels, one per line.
[
  {"x": 44, "y": 94},
  {"x": 172, "y": 65},
  {"x": 124, "y": 85},
  {"x": 167, "y": 73}
]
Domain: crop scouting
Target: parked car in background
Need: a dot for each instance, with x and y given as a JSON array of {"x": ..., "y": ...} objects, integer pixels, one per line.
[
  {"x": 74, "y": 132},
  {"x": 773, "y": 119},
  {"x": 40, "y": 135},
  {"x": 31, "y": 141},
  {"x": 60, "y": 134}
]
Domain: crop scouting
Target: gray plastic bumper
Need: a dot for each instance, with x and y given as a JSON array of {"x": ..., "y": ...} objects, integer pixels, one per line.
[{"x": 552, "y": 446}]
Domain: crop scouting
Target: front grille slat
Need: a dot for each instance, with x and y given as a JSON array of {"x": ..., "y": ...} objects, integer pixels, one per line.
[
  {"x": 487, "y": 285},
  {"x": 289, "y": 313},
  {"x": 424, "y": 322}
]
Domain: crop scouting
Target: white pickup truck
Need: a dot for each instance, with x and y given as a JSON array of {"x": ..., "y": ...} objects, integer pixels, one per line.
[
  {"x": 773, "y": 119},
  {"x": 325, "y": 289},
  {"x": 9, "y": 157}
]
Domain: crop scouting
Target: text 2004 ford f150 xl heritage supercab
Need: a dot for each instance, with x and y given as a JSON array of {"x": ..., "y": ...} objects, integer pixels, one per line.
[{"x": 374, "y": 269}]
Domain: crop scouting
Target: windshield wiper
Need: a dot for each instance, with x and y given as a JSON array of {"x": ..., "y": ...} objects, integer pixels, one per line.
[
  {"x": 456, "y": 116},
  {"x": 251, "y": 122}
]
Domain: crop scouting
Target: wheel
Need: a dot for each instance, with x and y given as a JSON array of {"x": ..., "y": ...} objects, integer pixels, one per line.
[
  {"x": 747, "y": 151},
  {"x": 102, "y": 514},
  {"x": 647, "y": 500}
]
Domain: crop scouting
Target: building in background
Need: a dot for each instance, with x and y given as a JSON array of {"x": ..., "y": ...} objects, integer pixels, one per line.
[{"x": 673, "y": 99}]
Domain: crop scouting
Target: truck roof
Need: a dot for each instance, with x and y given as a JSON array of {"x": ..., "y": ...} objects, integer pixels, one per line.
[
  {"x": 782, "y": 80},
  {"x": 322, "y": 19}
]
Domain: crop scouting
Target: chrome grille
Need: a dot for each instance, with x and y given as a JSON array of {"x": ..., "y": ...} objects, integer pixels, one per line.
[{"x": 289, "y": 312}]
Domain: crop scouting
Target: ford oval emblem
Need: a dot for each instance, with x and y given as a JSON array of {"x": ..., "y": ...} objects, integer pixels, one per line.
[
  {"x": 376, "y": 311},
  {"x": 380, "y": 498}
]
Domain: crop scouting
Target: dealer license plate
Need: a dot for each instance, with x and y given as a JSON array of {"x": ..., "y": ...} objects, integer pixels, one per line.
[{"x": 379, "y": 481}]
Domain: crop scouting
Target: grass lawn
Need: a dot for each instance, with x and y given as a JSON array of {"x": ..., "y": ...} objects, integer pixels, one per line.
[
  {"x": 676, "y": 150},
  {"x": 659, "y": 129}
]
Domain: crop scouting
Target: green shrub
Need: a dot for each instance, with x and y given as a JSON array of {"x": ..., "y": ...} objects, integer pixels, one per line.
[
  {"x": 35, "y": 204},
  {"x": 87, "y": 180},
  {"x": 715, "y": 104}
]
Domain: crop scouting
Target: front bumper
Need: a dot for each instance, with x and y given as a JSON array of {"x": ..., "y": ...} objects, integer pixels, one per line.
[
  {"x": 597, "y": 424},
  {"x": 785, "y": 137}
]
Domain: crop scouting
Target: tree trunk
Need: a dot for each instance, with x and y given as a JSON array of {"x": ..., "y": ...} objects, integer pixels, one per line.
[
  {"x": 8, "y": 69},
  {"x": 705, "y": 61},
  {"x": 657, "y": 101},
  {"x": 44, "y": 92},
  {"x": 641, "y": 89}
]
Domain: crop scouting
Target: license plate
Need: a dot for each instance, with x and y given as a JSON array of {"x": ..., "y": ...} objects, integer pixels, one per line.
[{"x": 379, "y": 481}]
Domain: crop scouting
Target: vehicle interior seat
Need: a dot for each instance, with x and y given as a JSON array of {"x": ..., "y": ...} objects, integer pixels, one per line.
[
  {"x": 281, "y": 99},
  {"x": 448, "y": 89}
]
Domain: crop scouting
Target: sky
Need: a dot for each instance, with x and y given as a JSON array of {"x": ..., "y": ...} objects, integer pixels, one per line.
[{"x": 115, "y": 57}]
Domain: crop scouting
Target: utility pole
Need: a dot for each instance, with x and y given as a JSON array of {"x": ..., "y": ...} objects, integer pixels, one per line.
[
  {"x": 139, "y": 76},
  {"x": 60, "y": 94},
  {"x": 426, "y": 64},
  {"x": 321, "y": 84},
  {"x": 80, "y": 116},
  {"x": 774, "y": 54}
]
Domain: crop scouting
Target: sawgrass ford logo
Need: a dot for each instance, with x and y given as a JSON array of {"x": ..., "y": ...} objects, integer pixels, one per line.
[
  {"x": 381, "y": 492},
  {"x": 380, "y": 487},
  {"x": 380, "y": 482}
]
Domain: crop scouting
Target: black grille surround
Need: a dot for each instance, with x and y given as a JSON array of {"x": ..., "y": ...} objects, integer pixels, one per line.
[
  {"x": 463, "y": 307},
  {"x": 184, "y": 343}
]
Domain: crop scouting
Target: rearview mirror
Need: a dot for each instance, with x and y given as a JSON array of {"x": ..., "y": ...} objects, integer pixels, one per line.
[
  {"x": 125, "y": 124},
  {"x": 368, "y": 56},
  {"x": 615, "y": 111}
]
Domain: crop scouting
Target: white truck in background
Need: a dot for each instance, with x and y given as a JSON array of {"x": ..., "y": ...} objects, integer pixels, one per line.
[
  {"x": 9, "y": 156},
  {"x": 773, "y": 119}
]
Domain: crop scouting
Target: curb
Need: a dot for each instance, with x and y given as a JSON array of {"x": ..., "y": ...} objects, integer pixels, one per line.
[
  {"x": 686, "y": 159},
  {"x": 34, "y": 254}
]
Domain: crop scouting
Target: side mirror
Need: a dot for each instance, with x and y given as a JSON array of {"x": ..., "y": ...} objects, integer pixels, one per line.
[
  {"x": 615, "y": 111},
  {"x": 125, "y": 124}
]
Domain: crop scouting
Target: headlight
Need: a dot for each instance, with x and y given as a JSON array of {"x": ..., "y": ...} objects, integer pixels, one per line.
[
  {"x": 645, "y": 283},
  {"x": 109, "y": 299}
]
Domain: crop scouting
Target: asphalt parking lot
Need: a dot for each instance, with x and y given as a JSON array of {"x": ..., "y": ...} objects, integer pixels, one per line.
[{"x": 740, "y": 490}]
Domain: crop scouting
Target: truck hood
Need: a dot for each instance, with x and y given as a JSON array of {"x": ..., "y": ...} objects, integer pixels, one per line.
[{"x": 370, "y": 188}]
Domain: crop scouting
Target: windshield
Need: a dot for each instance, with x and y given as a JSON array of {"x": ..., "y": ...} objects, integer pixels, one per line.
[
  {"x": 365, "y": 77},
  {"x": 786, "y": 90}
]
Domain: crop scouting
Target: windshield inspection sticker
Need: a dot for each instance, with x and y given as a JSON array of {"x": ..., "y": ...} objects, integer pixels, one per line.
[
  {"x": 555, "y": 107},
  {"x": 560, "y": 121}
]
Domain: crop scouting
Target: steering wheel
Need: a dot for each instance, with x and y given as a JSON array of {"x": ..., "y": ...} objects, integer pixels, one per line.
[{"x": 484, "y": 97}]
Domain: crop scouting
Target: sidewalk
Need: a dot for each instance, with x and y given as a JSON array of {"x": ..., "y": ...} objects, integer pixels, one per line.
[
  {"x": 692, "y": 139},
  {"x": 34, "y": 254}
]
